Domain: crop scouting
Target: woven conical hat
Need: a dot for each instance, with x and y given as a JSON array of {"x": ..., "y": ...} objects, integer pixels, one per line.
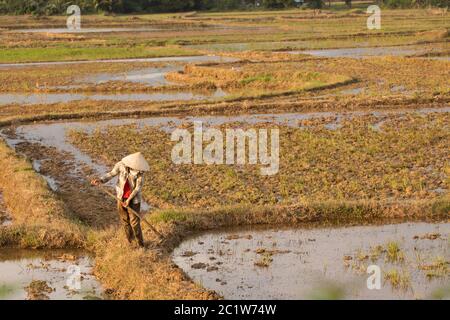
[{"x": 136, "y": 161}]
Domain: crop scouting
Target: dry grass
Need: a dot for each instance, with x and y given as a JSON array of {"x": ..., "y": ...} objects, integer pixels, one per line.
[
  {"x": 40, "y": 219},
  {"x": 398, "y": 279},
  {"x": 393, "y": 253},
  {"x": 257, "y": 79},
  {"x": 436, "y": 269},
  {"x": 406, "y": 160},
  {"x": 53, "y": 78},
  {"x": 139, "y": 274}
]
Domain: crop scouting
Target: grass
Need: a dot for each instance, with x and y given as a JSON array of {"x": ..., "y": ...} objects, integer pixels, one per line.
[
  {"x": 394, "y": 253},
  {"x": 17, "y": 55},
  {"x": 265, "y": 260},
  {"x": 258, "y": 78},
  {"x": 436, "y": 269},
  {"x": 6, "y": 290},
  {"x": 328, "y": 291},
  {"x": 250, "y": 79},
  {"x": 50, "y": 78},
  {"x": 40, "y": 219},
  {"x": 398, "y": 279},
  {"x": 168, "y": 216}
]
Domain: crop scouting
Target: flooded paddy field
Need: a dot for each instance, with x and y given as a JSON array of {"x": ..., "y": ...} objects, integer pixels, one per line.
[
  {"x": 65, "y": 153},
  {"x": 42, "y": 275},
  {"x": 359, "y": 53},
  {"x": 51, "y": 98},
  {"x": 363, "y": 120},
  {"x": 31, "y": 85},
  {"x": 187, "y": 59},
  {"x": 307, "y": 263}
]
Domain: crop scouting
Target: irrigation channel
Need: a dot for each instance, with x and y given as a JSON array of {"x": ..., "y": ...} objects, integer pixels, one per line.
[
  {"x": 355, "y": 52},
  {"x": 300, "y": 262}
]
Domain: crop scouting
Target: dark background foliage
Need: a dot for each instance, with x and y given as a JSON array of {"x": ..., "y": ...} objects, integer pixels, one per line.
[{"x": 50, "y": 7}]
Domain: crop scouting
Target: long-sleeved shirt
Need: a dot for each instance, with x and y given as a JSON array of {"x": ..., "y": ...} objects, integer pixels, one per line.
[{"x": 135, "y": 181}]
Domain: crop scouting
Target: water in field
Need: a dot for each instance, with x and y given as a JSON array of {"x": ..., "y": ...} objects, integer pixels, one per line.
[
  {"x": 82, "y": 30},
  {"x": 187, "y": 59},
  {"x": 56, "y": 274},
  {"x": 149, "y": 76},
  {"x": 364, "y": 52},
  {"x": 50, "y": 98},
  {"x": 306, "y": 263},
  {"x": 153, "y": 28},
  {"x": 54, "y": 134}
]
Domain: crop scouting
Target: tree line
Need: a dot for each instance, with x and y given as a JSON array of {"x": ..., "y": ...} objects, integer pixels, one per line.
[{"x": 51, "y": 7}]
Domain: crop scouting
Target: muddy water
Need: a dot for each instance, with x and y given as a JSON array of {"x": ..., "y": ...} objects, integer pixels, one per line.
[
  {"x": 187, "y": 59},
  {"x": 60, "y": 270},
  {"x": 84, "y": 30},
  {"x": 309, "y": 263},
  {"x": 151, "y": 77},
  {"x": 49, "y": 98},
  {"x": 364, "y": 52}
]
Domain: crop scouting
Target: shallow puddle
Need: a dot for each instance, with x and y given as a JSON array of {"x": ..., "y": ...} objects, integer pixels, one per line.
[
  {"x": 363, "y": 52},
  {"x": 56, "y": 274},
  {"x": 83, "y": 30},
  {"x": 149, "y": 76},
  {"x": 307, "y": 263},
  {"x": 49, "y": 98},
  {"x": 187, "y": 59}
]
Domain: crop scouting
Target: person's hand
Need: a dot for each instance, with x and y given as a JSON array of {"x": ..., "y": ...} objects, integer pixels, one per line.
[
  {"x": 95, "y": 182},
  {"x": 126, "y": 203}
]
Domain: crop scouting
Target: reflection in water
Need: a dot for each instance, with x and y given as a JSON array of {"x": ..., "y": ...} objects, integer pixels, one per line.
[
  {"x": 305, "y": 260},
  {"x": 49, "y": 98},
  {"x": 149, "y": 76},
  {"x": 363, "y": 52},
  {"x": 83, "y": 30},
  {"x": 187, "y": 59},
  {"x": 58, "y": 268}
]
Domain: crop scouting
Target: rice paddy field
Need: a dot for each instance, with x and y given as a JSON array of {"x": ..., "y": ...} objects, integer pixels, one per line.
[{"x": 359, "y": 161}]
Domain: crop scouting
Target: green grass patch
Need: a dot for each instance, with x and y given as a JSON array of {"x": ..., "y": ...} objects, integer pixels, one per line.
[
  {"x": 17, "y": 55},
  {"x": 258, "y": 78},
  {"x": 168, "y": 216}
]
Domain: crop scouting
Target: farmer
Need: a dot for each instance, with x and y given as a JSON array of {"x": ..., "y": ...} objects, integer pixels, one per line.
[{"x": 128, "y": 188}]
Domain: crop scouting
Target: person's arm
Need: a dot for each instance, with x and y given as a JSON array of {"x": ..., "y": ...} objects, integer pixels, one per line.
[
  {"x": 114, "y": 172},
  {"x": 137, "y": 188}
]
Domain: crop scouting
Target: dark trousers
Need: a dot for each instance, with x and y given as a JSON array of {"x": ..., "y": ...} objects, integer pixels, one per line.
[{"x": 131, "y": 223}]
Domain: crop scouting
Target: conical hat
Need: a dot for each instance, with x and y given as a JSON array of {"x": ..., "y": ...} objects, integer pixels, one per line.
[{"x": 136, "y": 161}]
